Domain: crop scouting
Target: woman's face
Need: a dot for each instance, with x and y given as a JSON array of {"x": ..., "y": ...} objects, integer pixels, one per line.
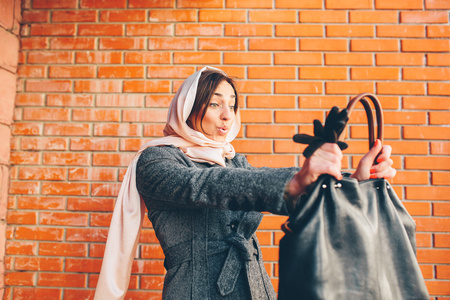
[{"x": 219, "y": 116}]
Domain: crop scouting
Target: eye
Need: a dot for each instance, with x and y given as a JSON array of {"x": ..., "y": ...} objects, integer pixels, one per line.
[
  {"x": 214, "y": 104},
  {"x": 232, "y": 107}
]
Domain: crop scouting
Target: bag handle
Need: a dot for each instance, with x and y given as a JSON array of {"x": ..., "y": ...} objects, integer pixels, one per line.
[
  {"x": 378, "y": 112},
  {"x": 371, "y": 127}
]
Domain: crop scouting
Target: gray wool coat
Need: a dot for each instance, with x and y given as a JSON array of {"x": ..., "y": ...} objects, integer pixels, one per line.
[{"x": 205, "y": 217}]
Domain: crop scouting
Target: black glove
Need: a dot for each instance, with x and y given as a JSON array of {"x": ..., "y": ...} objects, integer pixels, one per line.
[{"x": 334, "y": 125}]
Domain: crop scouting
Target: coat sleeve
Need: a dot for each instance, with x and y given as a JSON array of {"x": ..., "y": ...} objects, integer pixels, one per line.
[{"x": 167, "y": 182}]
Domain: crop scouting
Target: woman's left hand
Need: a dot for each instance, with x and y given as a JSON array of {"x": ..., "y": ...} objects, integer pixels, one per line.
[{"x": 367, "y": 167}]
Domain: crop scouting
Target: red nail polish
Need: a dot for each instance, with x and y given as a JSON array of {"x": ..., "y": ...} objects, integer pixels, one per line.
[
  {"x": 373, "y": 176},
  {"x": 372, "y": 171}
]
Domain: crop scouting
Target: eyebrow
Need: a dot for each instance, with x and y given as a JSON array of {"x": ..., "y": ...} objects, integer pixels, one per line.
[{"x": 219, "y": 94}]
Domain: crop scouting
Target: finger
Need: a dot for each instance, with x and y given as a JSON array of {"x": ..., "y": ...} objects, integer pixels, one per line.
[
  {"x": 376, "y": 148},
  {"x": 381, "y": 170},
  {"x": 392, "y": 174},
  {"x": 385, "y": 153},
  {"x": 370, "y": 156},
  {"x": 333, "y": 149},
  {"x": 333, "y": 170},
  {"x": 387, "y": 149},
  {"x": 386, "y": 164},
  {"x": 320, "y": 166},
  {"x": 385, "y": 173},
  {"x": 325, "y": 157}
]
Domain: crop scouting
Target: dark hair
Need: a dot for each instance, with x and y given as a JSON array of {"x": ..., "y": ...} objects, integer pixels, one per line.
[{"x": 207, "y": 85}]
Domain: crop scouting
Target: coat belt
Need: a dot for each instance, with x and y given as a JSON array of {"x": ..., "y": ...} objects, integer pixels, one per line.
[{"x": 240, "y": 250}]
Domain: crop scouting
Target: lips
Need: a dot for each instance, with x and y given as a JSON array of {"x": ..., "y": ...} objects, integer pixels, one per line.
[{"x": 223, "y": 129}]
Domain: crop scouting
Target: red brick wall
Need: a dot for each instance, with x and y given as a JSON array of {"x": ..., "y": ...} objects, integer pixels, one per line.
[
  {"x": 9, "y": 54},
  {"x": 96, "y": 79}
]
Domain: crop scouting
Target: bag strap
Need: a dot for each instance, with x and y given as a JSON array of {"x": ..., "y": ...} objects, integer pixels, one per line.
[{"x": 370, "y": 120}]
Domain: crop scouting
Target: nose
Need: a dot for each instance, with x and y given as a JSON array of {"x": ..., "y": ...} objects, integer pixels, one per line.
[{"x": 226, "y": 114}]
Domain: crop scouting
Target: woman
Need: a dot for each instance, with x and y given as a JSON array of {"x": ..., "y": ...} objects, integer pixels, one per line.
[{"x": 204, "y": 200}]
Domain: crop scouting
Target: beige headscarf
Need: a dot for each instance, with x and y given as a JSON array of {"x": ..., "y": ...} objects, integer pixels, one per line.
[{"x": 129, "y": 211}]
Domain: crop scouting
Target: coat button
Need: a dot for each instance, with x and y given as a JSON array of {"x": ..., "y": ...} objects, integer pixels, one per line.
[{"x": 234, "y": 225}]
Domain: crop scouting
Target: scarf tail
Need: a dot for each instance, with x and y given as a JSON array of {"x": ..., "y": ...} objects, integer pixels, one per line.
[{"x": 122, "y": 241}]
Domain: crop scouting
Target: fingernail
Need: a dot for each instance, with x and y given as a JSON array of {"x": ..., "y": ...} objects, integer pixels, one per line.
[
  {"x": 373, "y": 176},
  {"x": 372, "y": 171}
]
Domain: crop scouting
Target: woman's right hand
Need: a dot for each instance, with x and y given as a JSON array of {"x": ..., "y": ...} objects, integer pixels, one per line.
[{"x": 325, "y": 160}]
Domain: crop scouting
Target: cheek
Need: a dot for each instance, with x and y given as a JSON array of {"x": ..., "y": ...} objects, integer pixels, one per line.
[
  {"x": 209, "y": 117},
  {"x": 207, "y": 122}
]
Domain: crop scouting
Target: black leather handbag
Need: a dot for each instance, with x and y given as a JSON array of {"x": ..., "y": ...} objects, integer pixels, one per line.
[{"x": 350, "y": 240}]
